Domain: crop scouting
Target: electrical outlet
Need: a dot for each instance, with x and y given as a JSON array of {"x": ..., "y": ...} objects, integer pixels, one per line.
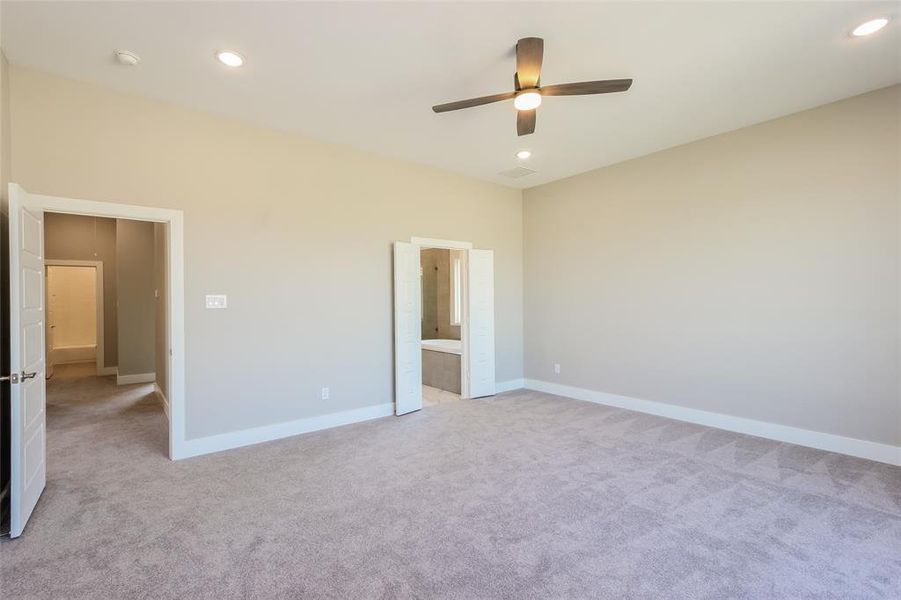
[
  {"x": 325, "y": 393},
  {"x": 557, "y": 368}
]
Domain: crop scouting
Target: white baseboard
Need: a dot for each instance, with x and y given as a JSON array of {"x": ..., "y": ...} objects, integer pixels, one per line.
[
  {"x": 505, "y": 386},
  {"x": 162, "y": 397},
  {"x": 782, "y": 433},
  {"x": 108, "y": 371},
  {"x": 65, "y": 355},
  {"x": 266, "y": 433},
  {"x": 135, "y": 378}
]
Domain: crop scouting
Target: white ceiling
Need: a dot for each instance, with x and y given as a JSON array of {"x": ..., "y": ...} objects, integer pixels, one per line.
[{"x": 367, "y": 74}]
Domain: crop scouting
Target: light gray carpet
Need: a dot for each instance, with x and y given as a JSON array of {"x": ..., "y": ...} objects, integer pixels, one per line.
[{"x": 521, "y": 496}]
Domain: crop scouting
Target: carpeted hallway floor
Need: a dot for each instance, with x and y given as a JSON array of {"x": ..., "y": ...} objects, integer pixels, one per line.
[{"x": 521, "y": 496}]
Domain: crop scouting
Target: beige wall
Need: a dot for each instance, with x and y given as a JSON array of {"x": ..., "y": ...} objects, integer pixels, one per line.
[
  {"x": 5, "y": 160},
  {"x": 4, "y": 273},
  {"x": 75, "y": 237},
  {"x": 137, "y": 307},
  {"x": 160, "y": 285},
  {"x": 755, "y": 273},
  {"x": 297, "y": 232}
]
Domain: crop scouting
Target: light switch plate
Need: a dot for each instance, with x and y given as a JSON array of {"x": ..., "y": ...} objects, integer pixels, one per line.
[{"x": 216, "y": 301}]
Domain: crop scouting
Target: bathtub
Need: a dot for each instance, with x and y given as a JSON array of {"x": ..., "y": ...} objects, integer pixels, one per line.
[
  {"x": 441, "y": 364},
  {"x": 448, "y": 346}
]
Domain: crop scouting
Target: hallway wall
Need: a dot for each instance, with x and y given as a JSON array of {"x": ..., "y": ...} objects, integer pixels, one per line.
[
  {"x": 160, "y": 284},
  {"x": 76, "y": 237},
  {"x": 137, "y": 307}
]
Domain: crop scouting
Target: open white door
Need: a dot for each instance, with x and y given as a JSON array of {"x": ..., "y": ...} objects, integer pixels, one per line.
[
  {"x": 26, "y": 356},
  {"x": 407, "y": 329},
  {"x": 480, "y": 335}
]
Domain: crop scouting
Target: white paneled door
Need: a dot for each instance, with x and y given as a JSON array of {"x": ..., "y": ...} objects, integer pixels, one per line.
[
  {"x": 407, "y": 329},
  {"x": 27, "y": 381},
  {"x": 480, "y": 341}
]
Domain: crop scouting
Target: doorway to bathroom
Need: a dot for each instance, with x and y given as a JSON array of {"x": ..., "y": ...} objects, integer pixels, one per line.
[
  {"x": 442, "y": 315},
  {"x": 443, "y": 323}
]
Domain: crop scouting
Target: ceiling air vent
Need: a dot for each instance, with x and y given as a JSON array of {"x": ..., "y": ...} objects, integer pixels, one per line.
[{"x": 516, "y": 173}]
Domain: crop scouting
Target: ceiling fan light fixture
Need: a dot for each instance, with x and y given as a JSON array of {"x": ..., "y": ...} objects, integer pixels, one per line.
[
  {"x": 527, "y": 100},
  {"x": 527, "y": 95}
]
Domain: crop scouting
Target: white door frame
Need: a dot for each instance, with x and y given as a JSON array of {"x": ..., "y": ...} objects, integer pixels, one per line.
[
  {"x": 100, "y": 359},
  {"x": 176, "y": 289},
  {"x": 424, "y": 242}
]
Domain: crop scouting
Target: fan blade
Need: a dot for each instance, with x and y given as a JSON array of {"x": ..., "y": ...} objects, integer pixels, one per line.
[
  {"x": 584, "y": 88},
  {"x": 525, "y": 122},
  {"x": 440, "y": 108},
  {"x": 529, "y": 52}
]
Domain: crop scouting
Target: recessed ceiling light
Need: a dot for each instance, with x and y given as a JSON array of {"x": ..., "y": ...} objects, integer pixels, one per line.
[
  {"x": 869, "y": 27},
  {"x": 230, "y": 59},
  {"x": 527, "y": 101},
  {"x": 523, "y": 154},
  {"x": 129, "y": 59}
]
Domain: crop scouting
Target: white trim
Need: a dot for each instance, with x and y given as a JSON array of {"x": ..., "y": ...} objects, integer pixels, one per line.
[
  {"x": 456, "y": 288},
  {"x": 67, "y": 355},
  {"x": 135, "y": 378},
  {"x": 781, "y": 433},
  {"x": 465, "y": 356},
  {"x": 479, "y": 300},
  {"x": 444, "y": 346},
  {"x": 176, "y": 287},
  {"x": 436, "y": 243},
  {"x": 100, "y": 357},
  {"x": 159, "y": 392},
  {"x": 108, "y": 371},
  {"x": 247, "y": 437},
  {"x": 508, "y": 386}
]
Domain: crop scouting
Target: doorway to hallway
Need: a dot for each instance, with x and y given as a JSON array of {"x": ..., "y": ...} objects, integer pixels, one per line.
[{"x": 29, "y": 428}]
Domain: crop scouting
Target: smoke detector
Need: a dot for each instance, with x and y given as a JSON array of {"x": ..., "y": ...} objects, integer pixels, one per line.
[{"x": 129, "y": 59}]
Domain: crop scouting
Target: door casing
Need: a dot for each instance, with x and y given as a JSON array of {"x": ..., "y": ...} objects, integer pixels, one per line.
[
  {"x": 175, "y": 330},
  {"x": 465, "y": 358}
]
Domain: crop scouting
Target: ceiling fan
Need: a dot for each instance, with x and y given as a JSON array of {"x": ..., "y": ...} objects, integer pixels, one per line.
[{"x": 528, "y": 91}]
